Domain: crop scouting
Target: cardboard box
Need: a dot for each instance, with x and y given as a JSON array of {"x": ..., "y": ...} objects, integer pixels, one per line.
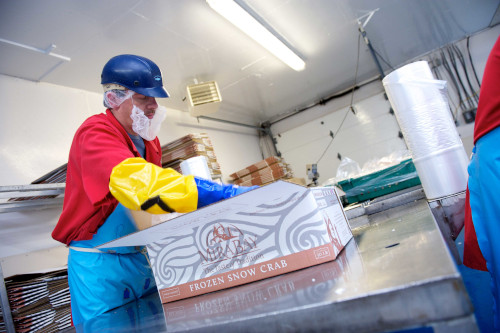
[
  {"x": 201, "y": 138},
  {"x": 299, "y": 181},
  {"x": 273, "y": 172},
  {"x": 275, "y": 229},
  {"x": 263, "y": 178},
  {"x": 295, "y": 289},
  {"x": 255, "y": 167},
  {"x": 188, "y": 150}
]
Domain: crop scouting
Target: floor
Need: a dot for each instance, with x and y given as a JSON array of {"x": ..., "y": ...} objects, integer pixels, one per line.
[{"x": 477, "y": 284}]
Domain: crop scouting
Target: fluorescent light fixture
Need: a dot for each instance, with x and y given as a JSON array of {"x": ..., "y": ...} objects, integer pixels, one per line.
[{"x": 249, "y": 25}]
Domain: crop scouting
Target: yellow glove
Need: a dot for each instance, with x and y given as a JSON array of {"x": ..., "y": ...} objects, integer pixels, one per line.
[{"x": 138, "y": 184}]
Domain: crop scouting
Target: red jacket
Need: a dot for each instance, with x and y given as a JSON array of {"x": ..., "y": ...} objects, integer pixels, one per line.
[
  {"x": 488, "y": 109},
  {"x": 487, "y": 119},
  {"x": 99, "y": 144}
]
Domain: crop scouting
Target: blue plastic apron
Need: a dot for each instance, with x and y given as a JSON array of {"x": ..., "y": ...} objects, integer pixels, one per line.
[
  {"x": 122, "y": 276},
  {"x": 484, "y": 188}
]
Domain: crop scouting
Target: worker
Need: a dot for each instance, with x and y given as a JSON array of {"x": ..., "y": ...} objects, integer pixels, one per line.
[
  {"x": 109, "y": 151},
  {"x": 482, "y": 222}
]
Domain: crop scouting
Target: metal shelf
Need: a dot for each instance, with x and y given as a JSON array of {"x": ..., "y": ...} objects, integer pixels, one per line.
[
  {"x": 18, "y": 198},
  {"x": 31, "y": 197}
]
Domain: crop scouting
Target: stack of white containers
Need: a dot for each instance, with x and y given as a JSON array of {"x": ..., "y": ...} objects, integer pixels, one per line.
[
  {"x": 196, "y": 166},
  {"x": 421, "y": 107}
]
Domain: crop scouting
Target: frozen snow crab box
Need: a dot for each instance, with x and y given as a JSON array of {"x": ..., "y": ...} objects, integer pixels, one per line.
[{"x": 271, "y": 230}]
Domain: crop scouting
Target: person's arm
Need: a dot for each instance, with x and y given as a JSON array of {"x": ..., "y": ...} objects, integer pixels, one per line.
[{"x": 139, "y": 185}]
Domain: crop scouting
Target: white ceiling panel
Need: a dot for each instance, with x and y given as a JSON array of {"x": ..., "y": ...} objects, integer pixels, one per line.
[{"x": 191, "y": 43}]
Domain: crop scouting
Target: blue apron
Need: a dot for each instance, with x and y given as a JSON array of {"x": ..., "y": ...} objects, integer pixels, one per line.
[
  {"x": 484, "y": 188},
  {"x": 124, "y": 274}
]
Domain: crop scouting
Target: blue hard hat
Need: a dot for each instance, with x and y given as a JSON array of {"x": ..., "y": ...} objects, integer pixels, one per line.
[{"x": 136, "y": 73}]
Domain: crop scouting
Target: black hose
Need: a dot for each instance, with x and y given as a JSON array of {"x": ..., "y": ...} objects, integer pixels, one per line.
[
  {"x": 449, "y": 49},
  {"x": 464, "y": 68},
  {"x": 453, "y": 81},
  {"x": 388, "y": 64}
]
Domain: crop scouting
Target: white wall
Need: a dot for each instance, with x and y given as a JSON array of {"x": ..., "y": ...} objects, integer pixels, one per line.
[
  {"x": 371, "y": 133},
  {"x": 38, "y": 121},
  {"x": 37, "y": 124}
]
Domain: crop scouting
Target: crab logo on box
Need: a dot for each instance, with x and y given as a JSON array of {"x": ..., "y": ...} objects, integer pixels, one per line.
[{"x": 224, "y": 242}]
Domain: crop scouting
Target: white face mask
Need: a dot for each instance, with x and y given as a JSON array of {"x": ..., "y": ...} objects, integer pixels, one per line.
[{"x": 147, "y": 128}]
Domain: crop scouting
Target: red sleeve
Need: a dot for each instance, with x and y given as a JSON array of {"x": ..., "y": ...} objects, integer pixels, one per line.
[
  {"x": 488, "y": 110},
  {"x": 101, "y": 148}
]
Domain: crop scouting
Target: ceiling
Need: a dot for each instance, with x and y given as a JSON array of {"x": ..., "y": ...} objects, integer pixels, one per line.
[{"x": 192, "y": 43}]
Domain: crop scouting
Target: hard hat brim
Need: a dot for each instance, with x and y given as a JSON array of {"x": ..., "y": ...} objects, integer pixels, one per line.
[{"x": 158, "y": 92}]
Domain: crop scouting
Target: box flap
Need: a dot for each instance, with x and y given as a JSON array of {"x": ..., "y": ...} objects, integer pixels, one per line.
[{"x": 248, "y": 202}]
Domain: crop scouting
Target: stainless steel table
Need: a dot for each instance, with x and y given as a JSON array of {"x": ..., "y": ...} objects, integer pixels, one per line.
[{"x": 396, "y": 274}]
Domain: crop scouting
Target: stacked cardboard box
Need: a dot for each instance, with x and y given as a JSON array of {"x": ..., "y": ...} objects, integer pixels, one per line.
[
  {"x": 262, "y": 172},
  {"x": 173, "y": 153},
  {"x": 39, "y": 302},
  {"x": 191, "y": 145}
]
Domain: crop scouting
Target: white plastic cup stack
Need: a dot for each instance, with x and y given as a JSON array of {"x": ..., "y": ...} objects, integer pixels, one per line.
[
  {"x": 421, "y": 107},
  {"x": 196, "y": 166}
]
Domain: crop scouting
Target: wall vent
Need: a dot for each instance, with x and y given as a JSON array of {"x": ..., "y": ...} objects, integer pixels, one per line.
[{"x": 204, "y": 98}]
